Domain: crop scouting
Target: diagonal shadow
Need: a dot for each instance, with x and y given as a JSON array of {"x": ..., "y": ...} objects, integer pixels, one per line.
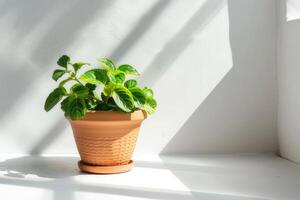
[
  {"x": 29, "y": 15},
  {"x": 166, "y": 56},
  {"x": 180, "y": 41},
  {"x": 139, "y": 29},
  {"x": 65, "y": 30},
  {"x": 51, "y": 135},
  {"x": 136, "y": 33},
  {"x": 60, "y": 36},
  {"x": 215, "y": 120},
  {"x": 208, "y": 116}
]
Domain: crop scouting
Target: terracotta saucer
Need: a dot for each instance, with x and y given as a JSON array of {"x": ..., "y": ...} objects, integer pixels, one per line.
[{"x": 105, "y": 169}]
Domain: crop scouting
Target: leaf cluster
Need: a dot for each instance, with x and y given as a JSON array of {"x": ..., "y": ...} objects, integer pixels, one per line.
[{"x": 104, "y": 88}]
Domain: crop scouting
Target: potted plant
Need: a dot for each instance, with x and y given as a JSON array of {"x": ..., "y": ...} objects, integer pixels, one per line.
[{"x": 105, "y": 111}]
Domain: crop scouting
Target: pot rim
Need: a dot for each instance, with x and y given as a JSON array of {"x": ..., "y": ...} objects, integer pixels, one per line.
[
  {"x": 110, "y": 111},
  {"x": 95, "y": 115}
]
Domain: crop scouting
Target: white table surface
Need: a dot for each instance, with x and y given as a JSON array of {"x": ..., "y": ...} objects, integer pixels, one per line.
[{"x": 211, "y": 177}]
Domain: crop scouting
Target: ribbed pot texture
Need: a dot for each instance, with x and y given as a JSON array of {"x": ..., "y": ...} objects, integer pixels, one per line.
[{"x": 106, "y": 138}]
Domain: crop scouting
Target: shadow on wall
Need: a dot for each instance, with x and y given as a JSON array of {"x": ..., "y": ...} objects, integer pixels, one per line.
[
  {"x": 177, "y": 59},
  {"x": 49, "y": 27},
  {"x": 172, "y": 50},
  {"x": 37, "y": 32},
  {"x": 137, "y": 32},
  {"x": 228, "y": 105},
  {"x": 64, "y": 31},
  {"x": 25, "y": 17},
  {"x": 240, "y": 113},
  {"x": 49, "y": 137}
]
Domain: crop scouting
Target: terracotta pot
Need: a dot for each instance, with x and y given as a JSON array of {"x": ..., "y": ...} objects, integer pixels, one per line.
[{"x": 106, "y": 140}]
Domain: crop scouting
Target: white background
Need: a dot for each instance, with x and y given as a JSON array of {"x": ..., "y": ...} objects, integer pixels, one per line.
[{"x": 211, "y": 63}]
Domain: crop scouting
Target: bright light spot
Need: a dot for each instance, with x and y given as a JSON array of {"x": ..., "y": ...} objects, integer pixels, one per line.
[{"x": 292, "y": 10}]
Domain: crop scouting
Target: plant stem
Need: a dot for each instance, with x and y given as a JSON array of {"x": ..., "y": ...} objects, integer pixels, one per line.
[
  {"x": 73, "y": 76},
  {"x": 77, "y": 80}
]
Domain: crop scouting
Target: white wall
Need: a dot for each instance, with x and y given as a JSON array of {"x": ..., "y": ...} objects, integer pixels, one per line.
[
  {"x": 288, "y": 79},
  {"x": 210, "y": 62},
  {"x": 239, "y": 115}
]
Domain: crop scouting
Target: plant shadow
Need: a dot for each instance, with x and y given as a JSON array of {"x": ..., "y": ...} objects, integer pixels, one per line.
[{"x": 47, "y": 167}]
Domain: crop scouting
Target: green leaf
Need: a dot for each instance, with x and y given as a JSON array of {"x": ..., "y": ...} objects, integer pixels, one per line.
[
  {"x": 105, "y": 106},
  {"x": 108, "y": 89},
  {"x": 138, "y": 96},
  {"x": 62, "y": 83},
  {"x": 148, "y": 92},
  {"x": 116, "y": 77},
  {"x": 64, "y": 104},
  {"x": 54, "y": 97},
  {"x": 130, "y": 83},
  {"x": 76, "y": 108},
  {"x": 79, "y": 89},
  {"x": 123, "y": 99},
  {"x": 94, "y": 76},
  {"x": 128, "y": 69},
  {"x": 151, "y": 103},
  {"x": 150, "y": 106},
  {"x": 63, "y": 61},
  {"x": 91, "y": 88},
  {"x": 78, "y": 65},
  {"x": 107, "y": 64},
  {"x": 57, "y": 74},
  {"x": 104, "y": 97}
]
